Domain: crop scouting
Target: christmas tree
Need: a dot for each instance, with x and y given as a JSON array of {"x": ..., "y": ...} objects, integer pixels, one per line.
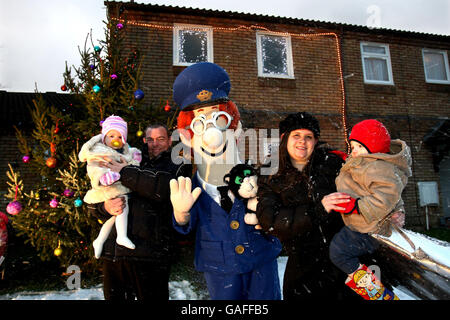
[{"x": 51, "y": 215}]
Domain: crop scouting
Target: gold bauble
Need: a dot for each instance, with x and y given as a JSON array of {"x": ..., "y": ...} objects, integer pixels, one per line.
[
  {"x": 140, "y": 133},
  {"x": 57, "y": 252}
]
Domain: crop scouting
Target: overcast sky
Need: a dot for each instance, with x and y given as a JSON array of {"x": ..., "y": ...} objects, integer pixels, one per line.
[{"x": 37, "y": 37}]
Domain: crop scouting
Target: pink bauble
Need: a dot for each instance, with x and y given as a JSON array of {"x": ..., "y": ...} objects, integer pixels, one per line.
[
  {"x": 54, "y": 203},
  {"x": 68, "y": 193},
  {"x": 26, "y": 158},
  {"x": 14, "y": 207}
]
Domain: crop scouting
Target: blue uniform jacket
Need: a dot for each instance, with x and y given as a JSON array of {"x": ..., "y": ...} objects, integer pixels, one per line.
[{"x": 224, "y": 242}]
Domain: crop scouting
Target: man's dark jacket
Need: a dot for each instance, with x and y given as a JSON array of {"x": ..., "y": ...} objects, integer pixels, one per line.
[{"x": 150, "y": 210}]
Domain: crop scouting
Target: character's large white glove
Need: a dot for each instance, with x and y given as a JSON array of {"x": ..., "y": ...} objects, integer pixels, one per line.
[
  {"x": 252, "y": 203},
  {"x": 250, "y": 218},
  {"x": 183, "y": 198}
]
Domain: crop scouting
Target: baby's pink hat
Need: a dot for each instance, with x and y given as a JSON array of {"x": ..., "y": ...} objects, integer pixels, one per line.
[{"x": 115, "y": 123}]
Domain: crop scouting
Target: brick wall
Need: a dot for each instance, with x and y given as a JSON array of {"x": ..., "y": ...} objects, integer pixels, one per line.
[{"x": 409, "y": 108}]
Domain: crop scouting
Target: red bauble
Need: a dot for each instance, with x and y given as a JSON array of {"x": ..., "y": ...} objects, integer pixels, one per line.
[
  {"x": 63, "y": 87},
  {"x": 167, "y": 107},
  {"x": 51, "y": 162}
]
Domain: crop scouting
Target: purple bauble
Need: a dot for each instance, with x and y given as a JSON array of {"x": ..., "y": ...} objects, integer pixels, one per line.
[
  {"x": 26, "y": 158},
  {"x": 114, "y": 76},
  {"x": 54, "y": 203},
  {"x": 119, "y": 26},
  {"x": 14, "y": 207},
  {"x": 68, "y": 193}
]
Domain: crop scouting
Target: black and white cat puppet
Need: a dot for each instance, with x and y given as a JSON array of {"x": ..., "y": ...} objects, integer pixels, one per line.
[{"x": 242, "y": 181}]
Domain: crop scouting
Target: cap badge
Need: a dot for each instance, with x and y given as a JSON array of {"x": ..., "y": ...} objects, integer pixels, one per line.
[{"x": 204, "y": 95}]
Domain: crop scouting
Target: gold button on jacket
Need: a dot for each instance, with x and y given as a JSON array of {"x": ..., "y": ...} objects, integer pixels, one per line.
[
  {"x": 239, "y": 249},
  {"x": 234, "y": 224}
]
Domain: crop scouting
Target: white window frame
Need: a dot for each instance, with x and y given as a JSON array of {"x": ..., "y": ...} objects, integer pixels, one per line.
[
  {"x": 446, "y": 66},
  {"x": 386, "y": 57},
  {"x": 290, "y": 65},
  {"x": 176, "y": 52}
]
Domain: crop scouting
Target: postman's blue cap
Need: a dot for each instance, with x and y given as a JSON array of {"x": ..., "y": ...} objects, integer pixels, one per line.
[{"x": 201, "y": 83}]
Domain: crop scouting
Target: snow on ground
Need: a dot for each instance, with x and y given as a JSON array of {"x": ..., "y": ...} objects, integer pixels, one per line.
[
  {"x": 184, "y": 290},
  {"x": 178, "y": 290},
  {"x": 437, "y": 249}
]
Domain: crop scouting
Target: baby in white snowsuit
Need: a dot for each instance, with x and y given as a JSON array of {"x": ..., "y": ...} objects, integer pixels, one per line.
[{"x": 105, "y": 183}]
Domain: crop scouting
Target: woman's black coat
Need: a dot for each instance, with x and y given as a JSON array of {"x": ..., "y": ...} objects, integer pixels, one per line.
[{"x": 289, "y": 207}]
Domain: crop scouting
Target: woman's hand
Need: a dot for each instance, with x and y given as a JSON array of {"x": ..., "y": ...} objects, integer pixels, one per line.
[
  {"x": 331, "y": 200},
  {"x": 112, "y": 164}
]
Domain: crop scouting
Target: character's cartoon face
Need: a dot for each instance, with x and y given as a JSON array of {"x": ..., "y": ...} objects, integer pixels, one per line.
[
  {"x": 242, "y": 181},
  {"x": 209, "y": 126},
  {"x": 365, "y": 281},
  {"x": 249, "y": 186}
]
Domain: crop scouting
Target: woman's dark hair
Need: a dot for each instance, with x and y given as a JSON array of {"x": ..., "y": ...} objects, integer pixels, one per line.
[{"x": 284, "y": 160}]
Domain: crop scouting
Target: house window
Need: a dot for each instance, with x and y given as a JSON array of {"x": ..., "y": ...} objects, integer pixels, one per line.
[
  {"x": 274, "y": 55},
  {"x": 376, "y": 61},
  {"x": 192, "y": 44},
  {"x": 435, "y": 63}
]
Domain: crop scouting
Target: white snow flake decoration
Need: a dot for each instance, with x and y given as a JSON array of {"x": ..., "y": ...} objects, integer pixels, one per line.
[
  {"x": 274, "y": 54},
  {"x": 193, "y": 46}
]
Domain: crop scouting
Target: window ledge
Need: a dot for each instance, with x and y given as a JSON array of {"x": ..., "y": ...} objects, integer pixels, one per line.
[
  {"x": 277, "y": 82},
  {"x": 438, "y": 87},
  {"x": 379, "y": 88}
]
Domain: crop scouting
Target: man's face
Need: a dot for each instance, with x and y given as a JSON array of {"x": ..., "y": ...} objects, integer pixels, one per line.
[{"x": 157, "y": 141}]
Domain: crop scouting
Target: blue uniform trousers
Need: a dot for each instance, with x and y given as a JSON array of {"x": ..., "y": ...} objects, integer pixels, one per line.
[{"x": 259, "y": 284}]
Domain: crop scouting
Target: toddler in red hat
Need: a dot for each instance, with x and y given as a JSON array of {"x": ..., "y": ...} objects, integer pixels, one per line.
[
  {"x": 372, "y": 180},
  {"x": 111, "y": 142}
]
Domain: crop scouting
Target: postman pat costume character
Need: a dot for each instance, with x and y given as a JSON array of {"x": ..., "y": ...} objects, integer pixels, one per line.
[
  {"x": 105, "y": 185},
  {"x": 237, "y": 260}
]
